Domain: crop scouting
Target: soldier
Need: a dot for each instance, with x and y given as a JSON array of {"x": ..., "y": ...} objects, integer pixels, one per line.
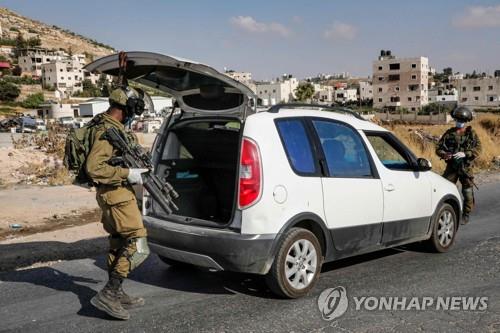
[
  {"x": 121, "y": 217},
  {"x": 459, "y": 147}
]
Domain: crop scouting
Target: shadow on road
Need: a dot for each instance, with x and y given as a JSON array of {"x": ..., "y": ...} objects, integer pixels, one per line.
[
  {"x": 25, "y": 254},
  {"x": 55, "y": 279}
]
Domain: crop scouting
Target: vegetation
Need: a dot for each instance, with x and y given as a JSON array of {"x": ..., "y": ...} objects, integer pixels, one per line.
[
  {"x": 20, "y": 79},
  {"x": 487, "y": 126},
  {"x": 8, "y": 91},
  {"x": 33, "y": 101},
  {"x": 304, "y": 92}
]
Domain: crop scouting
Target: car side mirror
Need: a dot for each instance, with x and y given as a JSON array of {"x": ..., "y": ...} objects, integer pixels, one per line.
[{"x": 423, "y": 164}]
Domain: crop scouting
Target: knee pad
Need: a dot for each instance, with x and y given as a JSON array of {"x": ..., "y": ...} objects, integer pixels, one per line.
[{"x": 138, "y": 251}]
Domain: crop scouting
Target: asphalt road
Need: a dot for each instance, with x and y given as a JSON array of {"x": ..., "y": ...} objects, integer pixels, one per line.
[{"x": 56, "y": 298}]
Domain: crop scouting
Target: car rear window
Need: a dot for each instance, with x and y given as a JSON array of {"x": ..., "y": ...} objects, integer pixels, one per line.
[{"x": 297, "y": 145}]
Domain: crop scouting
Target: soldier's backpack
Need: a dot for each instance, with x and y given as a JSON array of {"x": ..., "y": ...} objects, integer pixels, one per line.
[{"x": 78, "y": 144}]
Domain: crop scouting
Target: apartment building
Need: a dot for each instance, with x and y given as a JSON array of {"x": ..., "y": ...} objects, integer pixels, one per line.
[
  {"x": 30, "y": 60},
  {"x": 279, "y": 91},
  {"x": 365, "y": 90},
  {"x": 400, "y": 82},
  {"x": 345, "y": 95},
  {"x": 479, "y": 93},
  {"x": 63, "y": 75},
  {"x": 243, "y": 77}
]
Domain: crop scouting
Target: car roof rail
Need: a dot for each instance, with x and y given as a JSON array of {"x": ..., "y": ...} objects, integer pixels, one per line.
[{"x": 276, "y": 108}]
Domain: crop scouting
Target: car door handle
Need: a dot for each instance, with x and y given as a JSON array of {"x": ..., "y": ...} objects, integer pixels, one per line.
[{"x": 389, "y": 187}]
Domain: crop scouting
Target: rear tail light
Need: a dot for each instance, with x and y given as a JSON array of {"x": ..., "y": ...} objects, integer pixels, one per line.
[{"x": 250, "y": 174}]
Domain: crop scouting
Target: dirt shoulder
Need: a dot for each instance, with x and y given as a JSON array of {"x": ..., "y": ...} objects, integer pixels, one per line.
[{"x": 40, "y": 208}]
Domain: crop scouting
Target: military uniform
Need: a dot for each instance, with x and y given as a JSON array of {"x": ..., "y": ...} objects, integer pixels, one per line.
[
  {"x": 460, "y": 169},
  {"x": 121, "y": 217}
]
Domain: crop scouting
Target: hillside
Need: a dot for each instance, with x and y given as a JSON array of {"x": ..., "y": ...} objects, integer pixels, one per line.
[{"x": 52, "y": 37}]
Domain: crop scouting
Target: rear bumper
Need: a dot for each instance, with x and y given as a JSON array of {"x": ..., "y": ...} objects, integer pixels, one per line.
[{"x": 218, "y": 249}]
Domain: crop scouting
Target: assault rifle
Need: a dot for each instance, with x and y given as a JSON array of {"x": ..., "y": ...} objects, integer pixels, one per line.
[{"x": 133, "y": 156}]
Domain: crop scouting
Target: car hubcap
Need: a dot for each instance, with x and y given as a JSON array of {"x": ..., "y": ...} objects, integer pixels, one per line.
[
  {"x": 301, "y": 263},
  {"x": 446, "y": 228}
]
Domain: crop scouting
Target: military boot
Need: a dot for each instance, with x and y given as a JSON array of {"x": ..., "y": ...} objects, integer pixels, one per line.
[
  {"x": 108, "y": 300},
  {"x": 465, "y": 219},
  {"x": 129, "y": 302}
]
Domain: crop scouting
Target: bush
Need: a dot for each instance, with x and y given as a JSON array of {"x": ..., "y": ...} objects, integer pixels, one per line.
[
  {"x": 8, "y": 91},
  {"x": 33, "y": 101}
]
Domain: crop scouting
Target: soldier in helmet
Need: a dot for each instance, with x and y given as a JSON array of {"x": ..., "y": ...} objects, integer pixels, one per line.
[
  {"x": 121, "y": 217},
  {"x": 459, "y": 147}
]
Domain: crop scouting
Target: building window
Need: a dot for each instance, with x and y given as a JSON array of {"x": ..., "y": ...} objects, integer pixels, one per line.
[
  {"x": 413, "y": 109},
  {"x": 381, "y": 78},
  {"x": 62, "y": 77},
  {"x": 417, "y": 98},
  {"x": 413, "y": 77},
  {"x": 464, "y": 88},
  {"x": 379, "y": 89},
  {"x": 394, "y": 77},
  {"x": 61, "y": 70},
  {"x": 394, "y": 66},
  {"x": 464, "y": 99},
  {"x": 380, "y": 100},
  {"x": 476, "y": 88},
  {"x": 413, "y": 65},
  {"x": 379, "y": 68},
  {"x": 492, "y": 99},
  {"x": 396, "y": 88},
  {"x": 476, "y": 98},
  {"x": 409, "y": 99},
  {"x": 274, "y": 91},
  {"x": 490, "y": 87}
]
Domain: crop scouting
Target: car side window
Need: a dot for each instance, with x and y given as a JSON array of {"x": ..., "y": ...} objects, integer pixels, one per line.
[
  {"x": 297, "y": 145},
  {"x": 345, "y": 153},
  {"x": 388, "y": 152}
]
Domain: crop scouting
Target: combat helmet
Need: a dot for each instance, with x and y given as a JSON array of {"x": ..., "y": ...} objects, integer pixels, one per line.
[
  {"x": 128, "y": 99},
  {"x": 462, "y": 114}
]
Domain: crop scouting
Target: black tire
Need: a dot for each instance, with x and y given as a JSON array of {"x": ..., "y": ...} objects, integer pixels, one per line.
[
  {"x": 276, "y": 278},
  {"x": 175, "y": 263},
  {"x": 436, "y": 243}
]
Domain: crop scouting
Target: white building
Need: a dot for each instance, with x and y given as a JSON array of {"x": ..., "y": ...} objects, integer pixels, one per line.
[
  {"x": 30, "y": 60},
  {"x": 280, "y": 91},
  {"x": 400, "y": 82},
  {"x": 93, "y": 106},
  {"x": 160, "y": 103},
  {"x": 345, "y": 95},
  {"x": 325, "y": 94},
  {"x": 365, "y": 90},
  {"x": 243, "y": 77},
  {"x": 63, "y": 75},
  {"x": 479, "y": 93},
  {"x": 56, "y": 110},
  {"x": 443, "y": 96}
]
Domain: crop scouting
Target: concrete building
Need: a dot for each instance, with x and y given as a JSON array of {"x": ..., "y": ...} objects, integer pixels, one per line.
[
  {"x": 325, "y": 94},
  {"x": 93, "y": 107},
  {"x": 57, "y": 110},
  {"x": 64, "y": 75},
  {"x": 479, "y": 93},
  {"x": 443, "y": 96},
  {"x": 30, "y": 60},
  {"x": 345, "y": 95},
  {"x": 279, "y": 91},
  {"x": 365, "y": 90},
  {"x": 400, "y": 82},
  {"x": 243, "y": 77}
]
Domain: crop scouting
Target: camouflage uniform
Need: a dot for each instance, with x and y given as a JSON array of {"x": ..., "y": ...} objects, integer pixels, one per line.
[
  {"x": 460, "y": 169},
  {"x": 121, "y": 217}
]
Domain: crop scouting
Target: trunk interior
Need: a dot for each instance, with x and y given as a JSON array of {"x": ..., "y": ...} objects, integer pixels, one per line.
[{"x": 200, "y": 160}]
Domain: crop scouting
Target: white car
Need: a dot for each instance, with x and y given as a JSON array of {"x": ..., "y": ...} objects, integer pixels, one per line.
[{"x": 278, "y": 193}]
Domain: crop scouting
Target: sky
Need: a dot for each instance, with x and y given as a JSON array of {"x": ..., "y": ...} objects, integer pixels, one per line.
[{"x": 269, "y": 38}]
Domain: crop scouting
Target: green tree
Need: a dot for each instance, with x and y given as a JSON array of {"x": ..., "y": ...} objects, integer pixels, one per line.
[
  {"x": 34, "y": 41},
  {"x": 33, "y": 101},
  {"x": 8, "y": 91},
  {"x": 20, "y": 41},
  {"x": 304, "y": 92}
]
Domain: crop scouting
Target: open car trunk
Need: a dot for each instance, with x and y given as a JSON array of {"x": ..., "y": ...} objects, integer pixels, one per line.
[{"x": 200, "y": 160}]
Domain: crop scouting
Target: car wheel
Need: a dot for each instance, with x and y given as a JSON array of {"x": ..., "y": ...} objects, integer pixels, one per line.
[
  {"x": 444, "y": 229},
  {"x": 172, "y": 262},
  {"x": 297, "y": 264}
]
